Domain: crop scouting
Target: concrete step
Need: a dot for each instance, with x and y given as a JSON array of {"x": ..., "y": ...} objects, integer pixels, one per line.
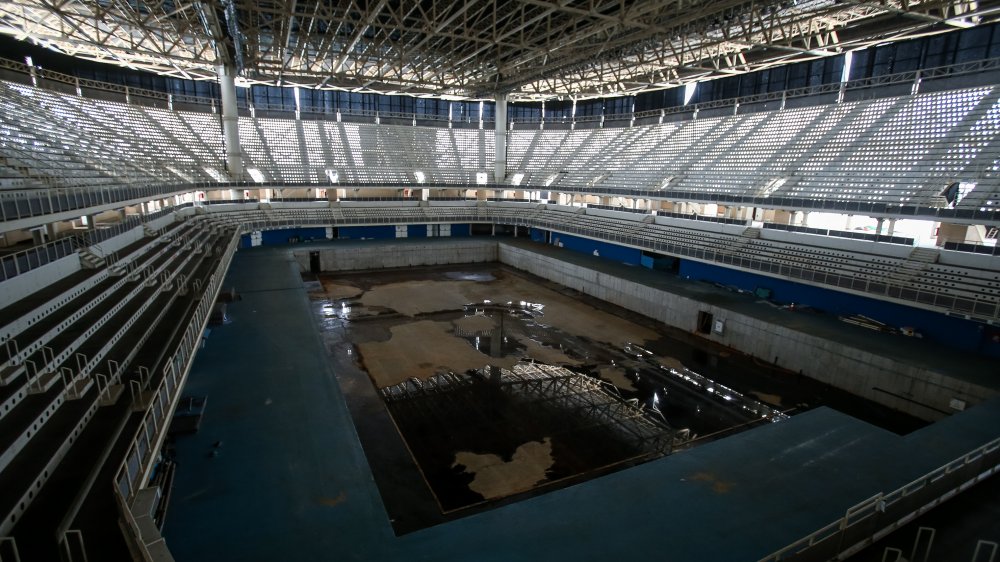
[
  {"x": 10, "y": 372},
  {"x": 924, "y": 255},
  {"x": 79, "y": 388},
  {"x": 44, "y": 382},
  {"x": 89, "y": 260},
  {"x": 111, "y": 396},
  {"x": 145, "y": 399}
]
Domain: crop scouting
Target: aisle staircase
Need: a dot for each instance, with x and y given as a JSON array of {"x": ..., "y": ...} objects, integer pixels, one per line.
[{"x": 914, "y": 264}]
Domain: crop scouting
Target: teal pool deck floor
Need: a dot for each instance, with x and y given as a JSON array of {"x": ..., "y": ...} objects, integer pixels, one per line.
[{"x": 290, "y": 480}]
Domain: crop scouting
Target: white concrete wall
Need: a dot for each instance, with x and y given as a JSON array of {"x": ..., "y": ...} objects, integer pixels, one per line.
[
  {"x": 859, "y": 372},
  {"x": 16, "y": 288},
  {"x": 119, "y": 242},
  {"x": 412, "y": 254},
  {"x": 862, "y": 373},
  {"x": 165, "y": 220}
]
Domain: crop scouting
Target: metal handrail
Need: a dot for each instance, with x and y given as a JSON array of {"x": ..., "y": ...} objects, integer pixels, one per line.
[
  {"x": 907, "y": 77},
  {"x": 106, "y": 195},
  {"x": 957, "y": 69},
  {"x": 929, "y": 489},
  {"x": 669, "y": 241},
  {"x": 18, "y": 263}
]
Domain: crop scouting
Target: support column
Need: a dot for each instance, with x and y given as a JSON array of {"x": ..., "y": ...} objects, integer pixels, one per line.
[
  {"x": 892, "y": 227},
  {"x": 500, "y": 172},
  {"x": 948, "y": 232},
  {"x": 230, "y": 123},
  {"x": 878, "y": 226}
]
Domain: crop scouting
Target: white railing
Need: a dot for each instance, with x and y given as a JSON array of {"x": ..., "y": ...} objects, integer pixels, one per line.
[
  {"x": 882, "y": 513},
  {"x": 690, "y": 243},
  {"x": 138, "y": 462}
]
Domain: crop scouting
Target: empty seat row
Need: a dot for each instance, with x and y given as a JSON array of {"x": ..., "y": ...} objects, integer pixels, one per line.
[
  {"x": 902, "y": 151},
  {"x": 98, "y": 372}
]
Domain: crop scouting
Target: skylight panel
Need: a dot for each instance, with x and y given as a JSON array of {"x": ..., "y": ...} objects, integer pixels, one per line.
[
  {"x": 772, "y": 186},
  {"x": 689, "y": 90},
  {"x": 215, "y": 174},
  {"x": 256, "y": 174}
]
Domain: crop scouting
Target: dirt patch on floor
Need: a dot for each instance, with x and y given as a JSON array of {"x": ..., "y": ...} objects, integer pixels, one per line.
[
  {"x": 475, "y": 325},
  {"x": 617, "y": 377},
  {"x": 416, "y": 297},
  {"x": 421, "y": 349},
  {"x": 770, "y": 399},
  {"x": 545, "y": 354},
  {"x": 670, "y": 362},
  {"x": 495, "y": 478},
  {"x": 339, "y": 291},
  {"x": 560, "y": 311}
]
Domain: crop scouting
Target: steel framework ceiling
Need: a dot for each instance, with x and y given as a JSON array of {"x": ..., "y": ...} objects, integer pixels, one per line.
[{"x": 528, "y": 49}]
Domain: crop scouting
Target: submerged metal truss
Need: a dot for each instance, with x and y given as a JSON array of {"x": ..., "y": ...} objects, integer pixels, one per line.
[
  {"x": 527, "y": 49},
  {"x": 577, "y": 402}
]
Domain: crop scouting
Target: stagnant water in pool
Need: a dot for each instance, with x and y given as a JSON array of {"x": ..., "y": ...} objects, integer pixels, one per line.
[{"x": 449, "y": 453}]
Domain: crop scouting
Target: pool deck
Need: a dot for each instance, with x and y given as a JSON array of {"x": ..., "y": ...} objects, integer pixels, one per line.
[{"x": 290, "y": 480}]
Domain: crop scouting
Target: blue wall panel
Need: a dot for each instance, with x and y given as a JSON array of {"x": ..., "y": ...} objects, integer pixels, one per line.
[
  {"x": 460, "y": 230},
  {"x": 286, "y": 235},
  {"x": 416, "y": 231},
  {"x": 538, "y": 235},
  {"x": 245, "y": 241},
  {"x": 368, "y": 232},
  {"x": 948, "y": 330},
  {"x": 608, "y": 251}
]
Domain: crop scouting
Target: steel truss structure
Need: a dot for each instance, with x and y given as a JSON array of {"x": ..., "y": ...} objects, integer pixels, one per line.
[
  {"x": 574, "y": 402},
  {"x": 525, "y": 49}
]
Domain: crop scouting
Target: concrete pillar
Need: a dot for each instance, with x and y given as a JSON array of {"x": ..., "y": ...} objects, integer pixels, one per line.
[
  {"x": 496, "y": 340},
  {"x": 805, "y": 219},
  {"x": 230, "y": 123},
  {"x": 500, "y": 172},
  {"x": 848, "y": 222},
  {"x": 878, "y": 226},
  {"x": 780, "y": 216},
  {"x": 952, "y": 233},
  {"x": 892, "y": 227}
]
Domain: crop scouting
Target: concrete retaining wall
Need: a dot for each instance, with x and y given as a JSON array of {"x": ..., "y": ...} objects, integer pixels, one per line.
[
  {"x": 410, "y": 254},
  {"x": 927, "y": 393},
  {"x": 913, "y": 389}
]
